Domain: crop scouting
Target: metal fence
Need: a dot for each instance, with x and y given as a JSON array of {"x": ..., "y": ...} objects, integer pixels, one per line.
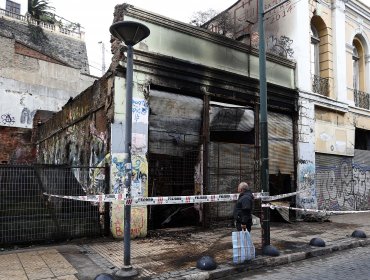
[
  {"x": 361, "y": 99},
  {"x": 320, "y": 85},
  {"x": 229, "y": 164},
  {"x": 28, "y": 215},
  {"x": 176, "y": 166}
]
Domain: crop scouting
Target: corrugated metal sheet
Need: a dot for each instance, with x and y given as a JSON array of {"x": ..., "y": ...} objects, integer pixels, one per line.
[
  {"x": 174, "y": 122},
  {"x": 281, "y": 151},
  {"x": 231, "y": 119},
  {"x": 334, "y": 183}
]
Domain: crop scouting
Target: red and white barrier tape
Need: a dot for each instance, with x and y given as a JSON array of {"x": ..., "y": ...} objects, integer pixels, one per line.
[
  {"x": 168, "y": 199},
  {"x": 328, "y": 212}
]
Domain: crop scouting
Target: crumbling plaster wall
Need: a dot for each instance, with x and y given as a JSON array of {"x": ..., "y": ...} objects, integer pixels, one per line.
[
  {"x": 139, "y": 141},
  {"x": 33, "y": 69},
  {"x": 30, "y": 81},
  {"x": 306, "y": 155},
  {"x": 79, "y": 134}
]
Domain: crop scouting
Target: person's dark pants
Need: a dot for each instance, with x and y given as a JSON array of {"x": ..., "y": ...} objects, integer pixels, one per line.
[{"x": 239, "y": 225}]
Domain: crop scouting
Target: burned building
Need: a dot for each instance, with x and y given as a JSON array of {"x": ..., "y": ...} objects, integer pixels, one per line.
[{"x": 195, "y": 122}]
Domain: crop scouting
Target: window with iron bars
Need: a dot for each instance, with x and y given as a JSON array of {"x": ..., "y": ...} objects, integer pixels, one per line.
[{"x": 13, "y": 7}]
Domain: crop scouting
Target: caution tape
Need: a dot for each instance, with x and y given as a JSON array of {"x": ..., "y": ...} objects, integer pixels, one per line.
[
  {"x": 169, "y": 199},
  {"x": 328, "y": 212},
  {"x": 281, "y": 196},
  {"x": 151, "y": 200}
]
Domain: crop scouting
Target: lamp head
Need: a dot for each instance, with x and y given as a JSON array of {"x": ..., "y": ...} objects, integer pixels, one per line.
[{"x": 130, "y": 32}]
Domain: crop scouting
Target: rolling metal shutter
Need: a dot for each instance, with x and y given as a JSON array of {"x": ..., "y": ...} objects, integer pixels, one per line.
[
  {"x": 334, "y": 182},
  {"x": 281, "y": 150}
]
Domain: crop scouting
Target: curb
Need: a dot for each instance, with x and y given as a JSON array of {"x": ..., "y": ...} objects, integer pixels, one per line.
[{"x": 224, "y": 270}]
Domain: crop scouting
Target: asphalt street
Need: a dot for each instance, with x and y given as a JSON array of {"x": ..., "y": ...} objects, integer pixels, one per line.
[{"x": 343, "y": 265}]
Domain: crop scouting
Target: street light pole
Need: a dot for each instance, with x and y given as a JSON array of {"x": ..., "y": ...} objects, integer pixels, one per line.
[
  {"x": 127, "y": 150},
  {"x": 130, "y": 33},
  {"x": 263, "y": 124},
  {"x": 267, "y": 248}
]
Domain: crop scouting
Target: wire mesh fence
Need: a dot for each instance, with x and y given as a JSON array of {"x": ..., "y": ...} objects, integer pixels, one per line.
[
  {"x": 174, "y": 170},
  {"x": 229, "y": 165},
  {"x": 27, "y": 215},
  {"x": 176, "y": 163}
]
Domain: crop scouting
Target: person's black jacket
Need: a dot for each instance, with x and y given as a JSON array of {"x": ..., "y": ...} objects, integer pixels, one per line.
[{"x": 243, "y": 207}]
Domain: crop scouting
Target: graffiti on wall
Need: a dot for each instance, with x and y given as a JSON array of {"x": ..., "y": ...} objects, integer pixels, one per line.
[
  {"x": 139, "y": 177},
  {"x": 138, "y": 221},
  {"x": 117, "y": 215},
  {"x": 306, "y": 183},
  {"x": 140, "y": 117},
  {"x": 140, "y": 110},
  {"x": 343, "y": 187},
  {"x": 27, "y": 116},
  {"x": 7, "y": 119},
  {"x": 280, "y": 46},
  {"x": 19, "y": 106},
  {"x": 278, "y": 13},
  {"x": 98, "y": 145},
  {"x": 139, "y": 173},
  {"x": 118, "y": 173},
  {"x": 139, "y": 187}
]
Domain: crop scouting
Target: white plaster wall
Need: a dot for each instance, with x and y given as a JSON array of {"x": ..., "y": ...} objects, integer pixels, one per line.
[
  {"x": 301, "y": 45},
  {"x": 339, "y": 51},
  {"x": 28, "y": 84},
  {"x": 39, "y": 72},
  {"x": 19, "y": 101},
  {"x": 306, "y": 155}
]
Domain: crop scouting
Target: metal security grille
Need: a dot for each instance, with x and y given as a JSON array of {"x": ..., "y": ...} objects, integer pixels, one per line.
[
  {"x": 335, "y": 184},
  {"x": 174, "y": 170},
  {"x": 281, "y": 151},
  {"x": 229, "y": 164},
  {"x": 27, "y": 215}
]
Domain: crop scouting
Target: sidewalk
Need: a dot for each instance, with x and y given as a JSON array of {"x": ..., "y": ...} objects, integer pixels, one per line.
[{"x": 172, "y": 253}]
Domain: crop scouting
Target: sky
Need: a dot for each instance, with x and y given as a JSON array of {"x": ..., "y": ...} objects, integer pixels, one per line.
[{"x": 97, "y": 16}]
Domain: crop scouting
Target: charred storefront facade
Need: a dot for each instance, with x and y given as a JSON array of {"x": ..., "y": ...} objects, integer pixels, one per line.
[{"x": 195, "y": 122}]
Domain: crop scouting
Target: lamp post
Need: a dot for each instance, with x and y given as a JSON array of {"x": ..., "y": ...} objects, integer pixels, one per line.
[
  {"x": 263, "y": 124},
  {"x": 130, "y": 33},
  {"x": 267, "y": 248}
]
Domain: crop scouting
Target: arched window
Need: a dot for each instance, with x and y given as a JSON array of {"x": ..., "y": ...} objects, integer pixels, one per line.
[
  {"x": 356, "y": 68},
  {"x": 315, "y": 58},
  {"x": 361, "y": 97},
  {"x": 358, "y": 59}
]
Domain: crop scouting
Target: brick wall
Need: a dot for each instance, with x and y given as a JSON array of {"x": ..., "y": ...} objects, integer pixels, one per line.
[
  {"x": 24, "y": 50},
  {"x": 16, "y": 146}
]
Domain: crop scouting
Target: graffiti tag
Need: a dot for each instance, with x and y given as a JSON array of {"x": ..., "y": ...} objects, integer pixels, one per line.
[{"x": 7, "y": 119}]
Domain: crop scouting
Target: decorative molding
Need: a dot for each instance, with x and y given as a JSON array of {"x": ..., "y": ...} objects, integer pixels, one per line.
[
  {"x": 325, "y": 102},
  {"x": 359, "y": 8}
]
